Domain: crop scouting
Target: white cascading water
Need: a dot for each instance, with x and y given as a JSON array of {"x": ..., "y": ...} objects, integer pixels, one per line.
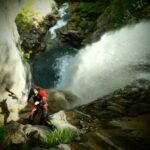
[
  {"x": 62, "y": 63},
  {"x": 12, "y": 71},
  {"x": 109, "y": 64},
  {"x": 61, "y": 22}
]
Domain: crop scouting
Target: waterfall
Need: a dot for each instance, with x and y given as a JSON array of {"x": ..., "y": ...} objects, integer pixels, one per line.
[
  {"x": 46, "y": 66},
  {"x": 61, "y": 22},
  {"x": 116, "y": 60},
  {"x": 61, "y": 64},
  {"x": 13, "y": 73}
]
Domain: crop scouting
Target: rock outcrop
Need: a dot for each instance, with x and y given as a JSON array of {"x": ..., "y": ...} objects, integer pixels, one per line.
[
  {"x": 32, "y": 37},
  {"x": 14, "y": 73},
  {"x": 119, "y": 121},
  {"x": 89, "y": 20},
  {"x": 33, "y": 22},
  {"x": 26, "y": 135}
]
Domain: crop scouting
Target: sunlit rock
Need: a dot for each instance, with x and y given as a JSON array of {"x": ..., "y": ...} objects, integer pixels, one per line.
[{"x": 60, "y": 121}]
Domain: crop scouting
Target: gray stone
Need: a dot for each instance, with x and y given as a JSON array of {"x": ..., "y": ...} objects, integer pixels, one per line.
[
  {"x": 64, "y": 147},
  {"x": 18, "y": 138}
]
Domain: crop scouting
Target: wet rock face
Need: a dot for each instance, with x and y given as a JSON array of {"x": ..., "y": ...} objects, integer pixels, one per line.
[
  {"x": 32, "y": 35},
  {"x": 92, "y": 19},
  {"x": 118, "y": 121},
  {"x": 73, "y": 37},
  {"x": 78, "y": 27},
  {"x": 26, "y": 135},
  {"x": 29, "y": 136},
  {"x": 115, "y": 17}
]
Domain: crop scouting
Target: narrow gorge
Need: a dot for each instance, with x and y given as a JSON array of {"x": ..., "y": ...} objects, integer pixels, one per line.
[{"x": 93, "y": 60}]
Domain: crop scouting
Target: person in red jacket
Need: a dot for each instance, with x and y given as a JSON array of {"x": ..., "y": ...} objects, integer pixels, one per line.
[{"x": 39, "y": 97}]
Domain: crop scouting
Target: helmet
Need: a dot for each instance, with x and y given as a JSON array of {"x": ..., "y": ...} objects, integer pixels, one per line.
[{"x": 35, "y": 91}]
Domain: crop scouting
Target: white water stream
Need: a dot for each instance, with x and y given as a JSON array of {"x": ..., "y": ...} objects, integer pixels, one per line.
[{"x": 61, "y": 22}]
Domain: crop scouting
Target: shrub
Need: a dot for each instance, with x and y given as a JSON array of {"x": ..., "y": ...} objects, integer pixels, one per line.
[{"x": 22, "y": 19}]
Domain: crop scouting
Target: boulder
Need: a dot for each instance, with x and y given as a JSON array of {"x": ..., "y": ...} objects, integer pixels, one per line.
[
  {"x": 64, "y": 147},
  {"x": 27, "y": 134},
  {"x": 60, "y": 121},
  {"x": 72, "y": 37}
]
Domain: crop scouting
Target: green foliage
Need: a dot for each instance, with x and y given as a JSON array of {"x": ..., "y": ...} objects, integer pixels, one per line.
[
  {"x": 83, "y": 24},
  {"x": 122, "y": 12},
  {"x": 112, "y": 13},
  {"x": 22, "y": 19},
  {"x": 59, "y": 136},
  {"x": 2, "y": 134},
  {"x": 138, "y": 4},
  {"x": 90, "y": 8},
  {"x": 25, "y": 19},
  {"x": 86, "y": 14}
]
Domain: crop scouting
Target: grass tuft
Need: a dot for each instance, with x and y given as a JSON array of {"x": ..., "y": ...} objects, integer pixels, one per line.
[{"x": 60, "y": 136}]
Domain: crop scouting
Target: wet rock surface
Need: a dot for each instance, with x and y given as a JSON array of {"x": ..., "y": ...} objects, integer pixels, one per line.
[
  {"x": 73, "y": 37},
  {"x": 119, "y": 121},
  {"x": 32, "y": 37},
  {"x": 89, "y": 21},
  {"x": 27, "y": 134}
]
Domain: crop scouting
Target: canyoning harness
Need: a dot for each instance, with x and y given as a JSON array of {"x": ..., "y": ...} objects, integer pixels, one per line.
[{"x": 39, "y": 105}]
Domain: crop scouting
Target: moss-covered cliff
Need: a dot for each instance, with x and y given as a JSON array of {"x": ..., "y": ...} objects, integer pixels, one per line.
[
  {"x": 120, "y": 13},
  {"x": 92, "y": 18},
  {"x": 32, "y": 22},
  {"x": 87, "y": 22}
]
